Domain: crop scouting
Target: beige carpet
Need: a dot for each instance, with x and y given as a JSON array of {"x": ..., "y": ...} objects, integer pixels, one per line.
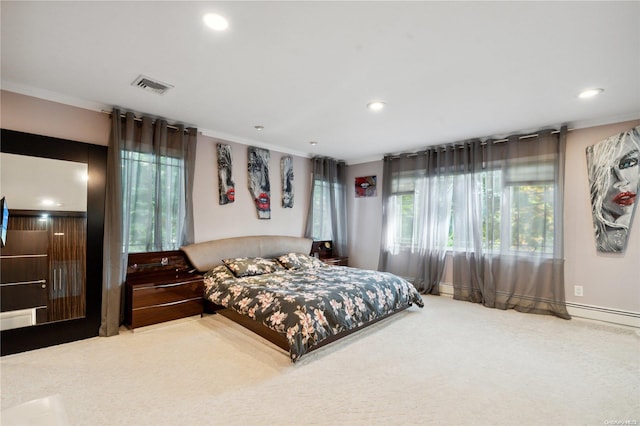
[{"x": 449, "y": 363}]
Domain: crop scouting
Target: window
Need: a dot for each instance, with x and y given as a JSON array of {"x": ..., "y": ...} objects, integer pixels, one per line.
[
  {"x": 327, "y": 216},
  {"x": 322, "y": 213},
  {"x": 153, "y": 185},
  {"x": 524, "y": 197},
  {"x": 402, "y": 211}
]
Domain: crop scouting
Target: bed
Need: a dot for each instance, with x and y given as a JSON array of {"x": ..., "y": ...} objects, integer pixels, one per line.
[{"x": 270, "y": 285}]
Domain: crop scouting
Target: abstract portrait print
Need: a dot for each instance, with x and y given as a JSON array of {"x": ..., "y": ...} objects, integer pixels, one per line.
[
  {"x": 259, "y": 187},
  {"x": 226, "y": 186},
  {"x": 614, "y": 179},
  {"x": 286, "y": 172},
  {"x": 366, "y": 186}
]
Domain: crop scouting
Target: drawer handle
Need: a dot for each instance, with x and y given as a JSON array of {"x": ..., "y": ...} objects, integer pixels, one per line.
[
  {"x": 24, "y": 282},
  {"x": 162, "y": 305},
  {"x": 165, "y": 285}
]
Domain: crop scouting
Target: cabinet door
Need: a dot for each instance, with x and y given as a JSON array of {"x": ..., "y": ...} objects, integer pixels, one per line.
[
  {"x": 24, "y": 265},
  {"x": 68, "y": 268}
]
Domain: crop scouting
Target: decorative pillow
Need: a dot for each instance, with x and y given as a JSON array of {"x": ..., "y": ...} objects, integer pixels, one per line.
[
  {"x": 220, "y": 273},
  {"x": 247, "y": 266},
  {"x": 300, "y": 261}
]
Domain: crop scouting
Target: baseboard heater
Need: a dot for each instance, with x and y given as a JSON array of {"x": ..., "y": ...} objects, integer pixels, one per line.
[{"x": 616, "y": 316}]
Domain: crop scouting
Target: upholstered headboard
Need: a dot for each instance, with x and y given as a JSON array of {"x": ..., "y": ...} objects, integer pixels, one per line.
[{"x": 204, "y": 256}]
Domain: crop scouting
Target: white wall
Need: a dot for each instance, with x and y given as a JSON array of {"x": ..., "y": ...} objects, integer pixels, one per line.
[
  {"x": 213, "y": 221},
  {"x": 38, "y": 116},
  {"x": 609, "y": 281},
  {"x": 364, "y": 216}
]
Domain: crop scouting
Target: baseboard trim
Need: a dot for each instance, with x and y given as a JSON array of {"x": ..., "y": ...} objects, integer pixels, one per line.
[{"x": 591, "y": 312}]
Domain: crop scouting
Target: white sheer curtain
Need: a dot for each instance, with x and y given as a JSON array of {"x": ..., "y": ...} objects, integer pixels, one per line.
[
  {"x": 327, "y": 215},
  {"x": 416, "y": 213},
  {"x": 149, "y": 204}
]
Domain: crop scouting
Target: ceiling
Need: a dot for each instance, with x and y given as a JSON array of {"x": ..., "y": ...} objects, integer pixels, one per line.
[{"x": 448, "y": 71}]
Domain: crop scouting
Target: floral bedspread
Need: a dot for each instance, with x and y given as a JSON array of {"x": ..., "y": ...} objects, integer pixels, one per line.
[{"x": 308, "y": 306}]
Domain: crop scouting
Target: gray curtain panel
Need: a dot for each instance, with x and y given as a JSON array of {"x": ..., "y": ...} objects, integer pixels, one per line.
[
  {"x": 508, "y": 237},
  {"x": 327, "y": 214},
  {"x": 149, "y": 200},
  {"x": 416, "y": 214},
  {"x": 496, "y": 206}
]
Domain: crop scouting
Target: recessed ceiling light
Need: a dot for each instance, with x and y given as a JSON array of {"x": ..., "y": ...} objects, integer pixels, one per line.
[
  {"x": 376, "y": 105},
  {"x": 313, "y": 143},
  {"x": 48, "y": 202},
  {"x": 258, "y": 128},
  {"x": 216, "y": 22},
  {"x": 590, "y": 93}
]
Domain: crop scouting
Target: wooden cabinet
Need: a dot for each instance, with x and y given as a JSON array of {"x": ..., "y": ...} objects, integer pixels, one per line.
[{"x": 161, "y": 287}]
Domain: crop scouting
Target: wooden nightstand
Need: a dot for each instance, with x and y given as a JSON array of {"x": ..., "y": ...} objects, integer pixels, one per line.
[
  {"x": 160, "y": 288},
  {"x": 324, "y": 251}
]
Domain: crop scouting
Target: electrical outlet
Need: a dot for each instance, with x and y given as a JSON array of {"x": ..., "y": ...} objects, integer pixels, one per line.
[{"x": 577, "y": 291}]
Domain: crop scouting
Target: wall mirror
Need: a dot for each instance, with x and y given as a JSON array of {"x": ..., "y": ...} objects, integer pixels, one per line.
[
  {"x": 44, "y": 255},
  {"x": 51, "y": 261}
]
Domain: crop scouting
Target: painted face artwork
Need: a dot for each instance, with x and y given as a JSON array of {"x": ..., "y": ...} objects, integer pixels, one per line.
[
  {"x": 286, "y": 170},
  {"x": 259, "y": 187},
  {"x": 614, "y": 178},
  {"x": 226, "y": 186},
  {"x": 366, "y": 186}
]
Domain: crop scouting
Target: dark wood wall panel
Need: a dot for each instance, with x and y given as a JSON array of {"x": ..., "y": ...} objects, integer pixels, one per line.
[
  {"x": 23, "y": 296},
  {"x": 64, "y": 241},
  {"x": 95, "y": 156},
  {"x": 68, "y": 268},
  {"x": 23, "y": 269}
]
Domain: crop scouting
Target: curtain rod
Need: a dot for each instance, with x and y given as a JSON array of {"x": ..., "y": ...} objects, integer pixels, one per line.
[
  {"x": 532, "y": 135},
  {"x": 170, "y": 126}
]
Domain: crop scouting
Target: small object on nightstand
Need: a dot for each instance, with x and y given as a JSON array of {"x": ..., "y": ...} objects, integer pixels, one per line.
[
  {"x": 323, "y": 250},
  {"x": 336, "y": 261}
]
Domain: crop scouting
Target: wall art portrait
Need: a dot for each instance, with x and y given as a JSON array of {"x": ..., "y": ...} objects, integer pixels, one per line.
[
  {"x": 259, "y": 187},
  {"x": 614, "y": 180},
  {"x": 286, "y": 172},
  {"x": 226, "y": 186},
  {"x": 366, "y": 186}
]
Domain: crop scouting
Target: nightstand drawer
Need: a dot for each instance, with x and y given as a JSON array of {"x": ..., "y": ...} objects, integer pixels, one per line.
[
  {"x": 166, "y": 312},
  {"x": 144, "y": 295}
]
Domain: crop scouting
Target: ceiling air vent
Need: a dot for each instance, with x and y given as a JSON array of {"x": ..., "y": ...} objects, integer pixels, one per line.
[{"x": 151, "y": 85}]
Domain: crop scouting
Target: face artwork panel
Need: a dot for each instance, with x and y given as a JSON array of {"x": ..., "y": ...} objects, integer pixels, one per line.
[
  {"x": 259, "y": 186},
  {"x": 286, "y": 171},
  {"x": 614, "y": 179},
  {"x": 226, "y": 186}
]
